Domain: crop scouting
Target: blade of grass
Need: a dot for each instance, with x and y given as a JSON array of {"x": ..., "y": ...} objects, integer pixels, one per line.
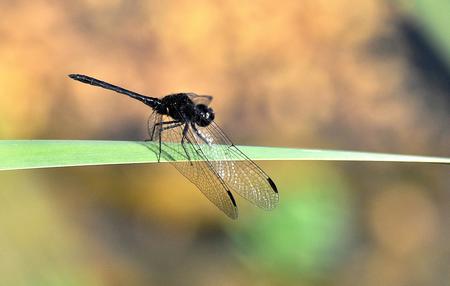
[{"x": 29, "y": 154}]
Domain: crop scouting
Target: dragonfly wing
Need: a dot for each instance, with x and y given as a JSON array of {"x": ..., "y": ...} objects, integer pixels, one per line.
[
  {"x": 200, "y": 99},
  {"x": 240, "y": 173},
  {"x": 197, "y": 168}
]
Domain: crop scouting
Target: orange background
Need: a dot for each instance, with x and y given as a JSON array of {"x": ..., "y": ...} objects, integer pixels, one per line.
[{"x": 353, "y": 75}]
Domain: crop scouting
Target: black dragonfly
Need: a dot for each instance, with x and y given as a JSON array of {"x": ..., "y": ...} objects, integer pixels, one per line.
[{"x": 183, "y": 126}]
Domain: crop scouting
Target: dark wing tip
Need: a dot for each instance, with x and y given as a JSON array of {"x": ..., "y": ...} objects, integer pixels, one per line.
[
  {"x": 74, "y": 76},
  {"x": 232, "y": 198},
  {"x": 272, "y": 184},
  {"x": 234, "y": 214}
]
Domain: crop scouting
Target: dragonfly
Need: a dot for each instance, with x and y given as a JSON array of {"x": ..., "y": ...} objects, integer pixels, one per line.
[{"x": 182, "y": 126}]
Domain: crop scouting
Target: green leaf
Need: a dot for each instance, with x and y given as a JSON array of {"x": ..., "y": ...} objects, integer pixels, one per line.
[{"x": 28, "y": 154}]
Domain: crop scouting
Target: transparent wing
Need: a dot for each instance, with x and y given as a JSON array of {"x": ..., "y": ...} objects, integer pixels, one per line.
[
  {"x": 240, "y": 173},
  {"x": 200, "y": 99},
  {"x": 197, "y": 168}
]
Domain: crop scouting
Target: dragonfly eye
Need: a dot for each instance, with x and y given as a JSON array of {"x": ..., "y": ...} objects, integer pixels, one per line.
[{"x": 205, "y": 115}]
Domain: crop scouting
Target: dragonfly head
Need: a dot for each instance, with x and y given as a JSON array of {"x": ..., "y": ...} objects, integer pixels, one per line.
[{"x": 204, "y": 115}]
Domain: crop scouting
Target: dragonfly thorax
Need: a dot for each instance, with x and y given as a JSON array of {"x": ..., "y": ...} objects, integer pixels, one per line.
[{"x": 181, "y": 108}]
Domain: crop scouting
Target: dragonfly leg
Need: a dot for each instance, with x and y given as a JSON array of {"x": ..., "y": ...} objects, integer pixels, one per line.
[
  {"x": 185, "y": 131},
  {"x": 160, "y": 124},
  {"x": 199, "y": 134},
  {"x": 161, "y": 129}
]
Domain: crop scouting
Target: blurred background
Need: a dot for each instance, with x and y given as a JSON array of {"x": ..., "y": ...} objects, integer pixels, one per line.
[{"x": 368, "y": 75}]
